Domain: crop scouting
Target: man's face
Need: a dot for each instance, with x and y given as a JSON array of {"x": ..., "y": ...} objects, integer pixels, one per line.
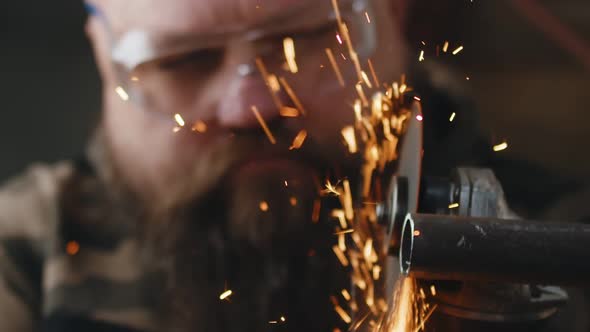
[
  {"x": 216, "y": 82},
  {"x": 208, "y": 72}
]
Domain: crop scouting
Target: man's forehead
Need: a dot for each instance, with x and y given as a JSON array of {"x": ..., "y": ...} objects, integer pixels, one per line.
[{"x": 195, "y": 16}]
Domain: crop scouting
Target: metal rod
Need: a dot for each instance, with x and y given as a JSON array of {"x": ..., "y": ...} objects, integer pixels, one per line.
[{"x": 441, "y": 247}]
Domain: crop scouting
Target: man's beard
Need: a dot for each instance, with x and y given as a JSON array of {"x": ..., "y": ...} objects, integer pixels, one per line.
[{"x": 250, "y": 231}]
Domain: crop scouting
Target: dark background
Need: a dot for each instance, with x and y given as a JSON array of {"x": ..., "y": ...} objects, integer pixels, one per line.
[{"x": 529, "y": 89}]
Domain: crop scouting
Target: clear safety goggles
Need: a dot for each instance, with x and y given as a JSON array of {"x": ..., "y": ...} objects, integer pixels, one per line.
[{"x": 167, "y": 77}]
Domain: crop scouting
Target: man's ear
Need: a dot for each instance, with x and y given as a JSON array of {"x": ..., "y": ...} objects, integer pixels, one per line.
[{"x": 100, "y": 42}]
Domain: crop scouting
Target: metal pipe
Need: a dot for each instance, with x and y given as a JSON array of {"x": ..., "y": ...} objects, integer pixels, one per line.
[{"x": 442, "y": 247}]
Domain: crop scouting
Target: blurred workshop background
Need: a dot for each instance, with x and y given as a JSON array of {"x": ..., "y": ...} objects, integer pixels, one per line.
[{"x": 528, "y": 64}]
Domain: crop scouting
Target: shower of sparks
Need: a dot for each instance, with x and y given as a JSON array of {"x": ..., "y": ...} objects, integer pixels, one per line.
[
  {"x": 501, "y": 147},
  {"x": 271, "y": 138},
  {"x": 289, "y": 48},
  {"x": 457, "y": 50},
  {"x": 452, "y": 118},
  {"x": 122, "y": 93},
  {"x": 453, "y": 206},
  {"x": 421, "y": 57},
  {"x": 263, "y": 206},
  {"x": 199, "y": 127},
  {"x": 225, "y": 295},
  {"x": 178, "y": 118},
  {"x": 335, "y": 67},
  {"x": 289, "y": 112},
  {"x": 368, "y": 18},
  {"x": 292, "y": 95},
  {"x": 299, "y": 140},
  {"x": 446, "y": 46},
  {"x": 373, "y": 73}
]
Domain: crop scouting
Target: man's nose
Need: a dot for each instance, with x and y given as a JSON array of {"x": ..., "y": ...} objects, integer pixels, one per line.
[{"x": 249, "y": 86}]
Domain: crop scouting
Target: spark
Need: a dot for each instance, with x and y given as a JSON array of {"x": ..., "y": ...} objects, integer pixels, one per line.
[
  {"x": 403, "y": 88},
  {"x": 368, "y": 248},
  {"x": 343, "y": 315},
  {"x": 289, "y": 112},
  {"x": 292, "y": 95},
  {"x": 335, "y": 67},
  {"x": 373, "y": 73},
  {"x": 417, "y": 232},
  {"x": 339, "y": 39},
  {"x": 343, "y": 57},
  {"x": 432, "y": 290},
  {"x": 72, "y": 248},
  {"x": 266, "y": 77},
  {"x": 452, "y": 118},
  {"x": 457, "y": 50},
  {"x": 347, "y": 200},
  {"x": 361, "y": 93},
  {"x": 341, "y": 257},
  {"x": 368, "y": 18},
  {"x": 416, "y": 98},
  {"x": 178, "y": 118},
  {"x": 421, "y": 327},
  {"x": 289, "y": 48},
  {"x": 421, "y": 57},
  {"x": 376, "y": 272},
  {"x": 501, "y": 147},
  {"x": 273, "y": 322},
  {"x": 122, "y": 93},
  {"x": 199, "y": 127},
  {"x": 263, "y": 206},
  {"x": 346, "y": 295},
  {"x": 283, "y": 319},
  {"x": 315, "y": 216},
  {"x": 341, "y": 242},
  {"x": 299, "y": 140},
  {"x": 446, "y": 46},
  {"x": 225, "y": 294},
  {"x": 419, "y": 117},
  {"x": 350, "y": 139},
  {"x": 286, "y": 184},
  {"x": 366, "y": 79},
  {"x": 453, "y": 206},
  {"x": 271, "y": 138},
  {"x": 293, "y": 201},
  {"x": 273, "y": 81},
  {"x": 339, "y": 214},
  {"x": 330, "y": 189},
  {"x": 467, "y": 78},
  {"x": 348, "y": 231},
  {"x": 135, "y": 79},
  {"x": 176, "y": 129}
]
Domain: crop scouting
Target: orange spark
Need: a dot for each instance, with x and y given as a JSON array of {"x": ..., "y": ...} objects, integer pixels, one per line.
[
  {"x": 335, "y": 67},
  {"x": 343, "y": 315},
  {"x": 289, "y": 112},
  {"x": 350, "y": 139},
  {"x": 263, "y": 206},
  {"x": 266, "y": 78},
  {"x": 72, "y": 248},
  {"x": 366, "y": 79},
  {"x": 271, "y": 138},
  {"x": 289, "y": 48},
  {"x": 299, "y": 140},
  {"x": 348, "y": 231},
  {"x": 373, "y": 73},
  {"x": 361, "y": 93},
  {"x": 315, "y": 216},
  {"x": 446, "y": 46},
  {"x": 199, "y": 127},
  {"x": 293, "y": 201},
  {"x": 292, "y": 95},
  {"x": 346, "y": 295},
  {"x": 341, "y": 257}
]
